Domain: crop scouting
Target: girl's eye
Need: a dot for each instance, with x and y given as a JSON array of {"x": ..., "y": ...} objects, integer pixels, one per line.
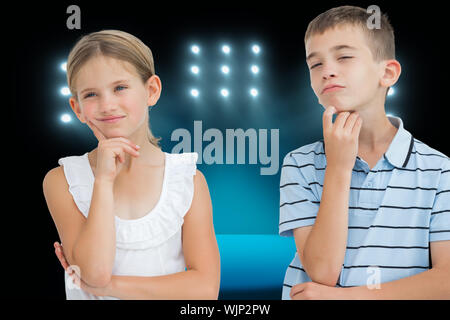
[
  {"x": 345, "y": 57},
  {"x": 91, "y": 94},
  {"x": 317, "y": 64},
  {"x": 120, "y": 88}
]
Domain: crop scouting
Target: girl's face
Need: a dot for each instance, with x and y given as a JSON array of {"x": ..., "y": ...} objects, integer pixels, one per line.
[{"x": 112, "y": 96}]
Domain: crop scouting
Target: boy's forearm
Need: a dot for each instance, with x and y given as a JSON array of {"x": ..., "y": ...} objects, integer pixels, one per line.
[
  {"x": 94, "y": 249},
  {"x": 324, "y": 250},
  {"x": 432, "y": 284},
  {"x": 185, "y": 285}
]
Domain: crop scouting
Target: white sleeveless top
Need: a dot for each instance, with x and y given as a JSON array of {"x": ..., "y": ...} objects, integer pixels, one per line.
[{"x": 150, "y": 245}]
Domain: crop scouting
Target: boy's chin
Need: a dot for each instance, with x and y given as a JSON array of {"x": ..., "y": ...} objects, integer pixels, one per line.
[{"x": 339, "y": 108}]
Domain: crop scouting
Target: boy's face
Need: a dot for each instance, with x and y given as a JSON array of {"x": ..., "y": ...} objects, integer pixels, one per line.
[
  {"x": 107, "y": 88},
  {"x": 341, "y": 57}
]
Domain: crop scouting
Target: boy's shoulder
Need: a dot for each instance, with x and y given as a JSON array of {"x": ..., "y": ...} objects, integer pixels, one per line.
[
  {"x": 423, "y": 147},
  {"x": 430, "y": 156},
  {"x": 308, "y": 153}
]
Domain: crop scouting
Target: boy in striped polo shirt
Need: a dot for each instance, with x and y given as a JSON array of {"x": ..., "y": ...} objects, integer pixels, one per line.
[{"x": 369, "y": 205}]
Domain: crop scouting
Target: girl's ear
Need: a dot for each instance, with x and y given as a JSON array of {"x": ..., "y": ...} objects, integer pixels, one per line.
[
  {"x": 76, "y": 109},
  {"x": 153, "y": 86}
]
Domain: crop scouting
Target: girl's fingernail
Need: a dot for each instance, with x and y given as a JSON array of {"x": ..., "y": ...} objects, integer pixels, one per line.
[{"x": 138, "y": 147}]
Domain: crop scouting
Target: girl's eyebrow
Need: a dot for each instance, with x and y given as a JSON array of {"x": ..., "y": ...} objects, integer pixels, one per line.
[{"x": 112, "y": 84}]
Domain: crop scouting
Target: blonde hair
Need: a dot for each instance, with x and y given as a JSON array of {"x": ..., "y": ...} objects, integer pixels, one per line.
[
  {"x": 114, "y": 44},
  {"x": 380, "y": 41}
]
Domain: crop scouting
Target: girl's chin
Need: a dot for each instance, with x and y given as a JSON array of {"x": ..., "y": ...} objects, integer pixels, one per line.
[{"x": 115, "y": 134}]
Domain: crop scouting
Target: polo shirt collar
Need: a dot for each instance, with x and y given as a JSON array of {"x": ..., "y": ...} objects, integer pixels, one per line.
[{"x": 400, "y": 149}]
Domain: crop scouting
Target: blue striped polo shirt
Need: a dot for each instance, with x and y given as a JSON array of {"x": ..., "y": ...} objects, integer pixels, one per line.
[{"x": 395, "y": 209}]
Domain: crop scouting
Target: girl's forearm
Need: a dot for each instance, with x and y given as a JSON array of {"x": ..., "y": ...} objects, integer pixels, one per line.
[
  {"x": 185, "y": 285},
  {"x": 432, "y": 284},
  {"x": 94, "y": 249},
  {"x": 324, "y": 250}
]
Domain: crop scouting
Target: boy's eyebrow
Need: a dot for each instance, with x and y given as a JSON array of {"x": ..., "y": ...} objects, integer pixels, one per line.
[
  {"x": 115, "y": 82},
  {"x": 335, "y": 48}
]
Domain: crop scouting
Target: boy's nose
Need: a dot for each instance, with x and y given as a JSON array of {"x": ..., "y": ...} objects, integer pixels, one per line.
[
  {"x": 329, "y": 74},
  {"x": 328, "y": 71}
]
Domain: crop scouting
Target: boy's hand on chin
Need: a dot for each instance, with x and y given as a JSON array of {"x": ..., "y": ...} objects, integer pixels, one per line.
[{"x": 341, "y": 138}]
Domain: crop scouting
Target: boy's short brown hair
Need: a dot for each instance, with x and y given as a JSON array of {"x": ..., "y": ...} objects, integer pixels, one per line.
[{"x": 380, "y": 41}]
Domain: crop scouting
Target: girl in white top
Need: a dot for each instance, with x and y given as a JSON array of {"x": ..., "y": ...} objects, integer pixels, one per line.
[{"x": 135, "y": 222}]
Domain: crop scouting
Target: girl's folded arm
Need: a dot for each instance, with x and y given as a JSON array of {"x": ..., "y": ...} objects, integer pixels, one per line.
[{"x": 85, "y": 241}]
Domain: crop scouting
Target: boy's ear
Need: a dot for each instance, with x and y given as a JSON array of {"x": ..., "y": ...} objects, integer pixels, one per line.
[
  {"x": 154, "y": 87},
  {"x": 76, "y": 109},
  {"x": 391, "y": 73}
]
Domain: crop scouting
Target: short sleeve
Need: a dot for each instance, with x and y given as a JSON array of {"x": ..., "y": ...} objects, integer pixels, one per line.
[
  {"x": 440, "y": 214},
  {"x": 298, "y": 204},
  {"x": 79, "y": 179}
]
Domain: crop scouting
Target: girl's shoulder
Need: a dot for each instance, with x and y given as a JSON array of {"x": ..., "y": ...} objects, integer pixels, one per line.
[
  {"x": 182, "y": 162},
  {"x": 58, "y": 175}
]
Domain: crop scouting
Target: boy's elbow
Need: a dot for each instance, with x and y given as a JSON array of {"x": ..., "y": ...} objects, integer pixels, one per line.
[
  {"x": 325, "y": 276},
  {"x": 322, "y": 271}
]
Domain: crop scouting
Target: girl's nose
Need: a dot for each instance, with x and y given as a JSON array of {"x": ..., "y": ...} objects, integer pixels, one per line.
[{"x": 107, "y": 103}]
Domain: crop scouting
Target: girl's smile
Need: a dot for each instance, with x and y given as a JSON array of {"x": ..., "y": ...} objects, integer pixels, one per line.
[{"x": 111, "y": 119}]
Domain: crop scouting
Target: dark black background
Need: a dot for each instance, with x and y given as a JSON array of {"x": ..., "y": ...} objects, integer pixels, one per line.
[{"x": 40, "y": 37}]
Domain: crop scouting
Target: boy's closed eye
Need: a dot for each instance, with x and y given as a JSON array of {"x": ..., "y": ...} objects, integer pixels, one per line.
[{"x": 340, "y": 58}]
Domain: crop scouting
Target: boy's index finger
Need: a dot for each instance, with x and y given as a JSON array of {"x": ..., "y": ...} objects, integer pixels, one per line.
[
  {"x": 98, "y": 134},
  {"x": 328, "y": 116}
]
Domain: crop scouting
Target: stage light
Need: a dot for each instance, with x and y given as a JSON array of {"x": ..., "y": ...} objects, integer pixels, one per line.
[
  {"x": 256, "y": 49},
  {"x": 195, "y": 49},
  {"x": 391, "y": 91},
  {"x": 195, "y": 69},
  {"x": 226, "y": 49},
  {"x": 253, "y": 92},
  {"x": 65, "y": 91},
  {"x": 66, "y": 118},
  {"x": 64, "y": 66},
  {"x": 195, "y": 93},
  {"x": 224, "y": 92},
  {"x": 225, "y": 69},
  {"x": 255, "y": 69}
]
